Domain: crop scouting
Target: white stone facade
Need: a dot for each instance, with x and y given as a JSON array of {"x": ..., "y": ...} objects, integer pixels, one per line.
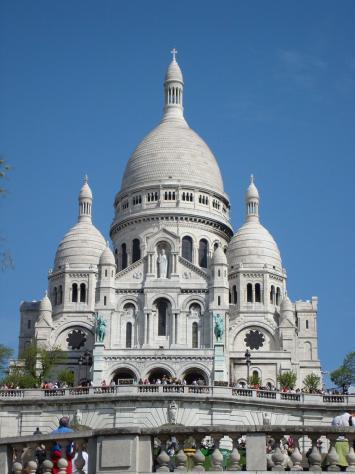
[{"x": 180, "y": 294}]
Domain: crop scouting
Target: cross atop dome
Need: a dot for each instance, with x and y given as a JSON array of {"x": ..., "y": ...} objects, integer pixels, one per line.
[{"x": 174, "y": 52}]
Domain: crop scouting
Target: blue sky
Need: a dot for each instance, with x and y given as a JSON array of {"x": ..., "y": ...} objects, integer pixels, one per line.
[{"x": 270, "y": 86}]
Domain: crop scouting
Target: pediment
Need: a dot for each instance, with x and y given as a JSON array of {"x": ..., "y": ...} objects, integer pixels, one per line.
[
  {"x": 133, "y": 273},
  {"x": 189, "y": 272},
  {"x": 162, "y": 234}
]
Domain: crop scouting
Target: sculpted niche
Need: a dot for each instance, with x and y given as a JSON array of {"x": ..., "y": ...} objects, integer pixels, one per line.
[{"x": 163, "y": 259}]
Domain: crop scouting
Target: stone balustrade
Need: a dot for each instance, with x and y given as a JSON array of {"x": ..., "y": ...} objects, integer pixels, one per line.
[
  {"x": 180, "y": 448},
  {"x": 179, "y": 390}
]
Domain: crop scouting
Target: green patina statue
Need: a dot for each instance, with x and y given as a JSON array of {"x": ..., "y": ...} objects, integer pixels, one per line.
[{"x": 100, "y": 328}]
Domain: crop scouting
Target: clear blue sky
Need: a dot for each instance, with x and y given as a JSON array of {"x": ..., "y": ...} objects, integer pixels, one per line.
[{"x": 269, "y": 85}]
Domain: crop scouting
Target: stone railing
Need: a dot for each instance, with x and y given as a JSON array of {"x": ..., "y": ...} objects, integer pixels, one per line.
[
  {"x": 179, "y": 448},
  {"x": 228, "y": 393}
]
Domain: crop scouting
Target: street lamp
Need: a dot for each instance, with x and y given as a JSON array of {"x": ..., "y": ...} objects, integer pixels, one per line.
[
  {"x": 85, "y": 359},
  {"x": 247, "y": 356}
]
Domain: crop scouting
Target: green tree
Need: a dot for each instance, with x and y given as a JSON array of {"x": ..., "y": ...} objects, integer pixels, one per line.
[
  {"x": 66, "y": 376},
  {"x": 254, "y": 379},
  {"x": 5, "y": 255},
  {"x": 4, "y": 169},
  {"x": 341, "y": 377},
  {"x": 349, "y": 363},
  {"x": 5, "y": 354},
  {"x": 312, "y": 382},
  {"x": 287, "y": 379},
  {"x": 35, "y": 366}
]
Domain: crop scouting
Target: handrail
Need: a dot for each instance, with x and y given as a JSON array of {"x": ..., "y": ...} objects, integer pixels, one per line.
[{"x": 227, "y": 393}]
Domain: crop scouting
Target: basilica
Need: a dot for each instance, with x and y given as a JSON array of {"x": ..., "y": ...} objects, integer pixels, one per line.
[{"x": 177, "y": 292}]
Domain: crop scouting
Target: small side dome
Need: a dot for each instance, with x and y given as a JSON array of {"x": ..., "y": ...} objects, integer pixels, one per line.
[
  {"x": 45, "y": 304},
  {"x": 219, "y": 257},
  {"x": 107, "y": 257},
  {"x": 286, "y": 304},
  {"x": 252, "y": 191},
  {"x": 85, "y": 191}
]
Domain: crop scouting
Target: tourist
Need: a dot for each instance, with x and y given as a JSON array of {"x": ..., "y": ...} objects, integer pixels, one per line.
[
  {"x": 85, "y": 467},
  {"x": 63, "y": 426}
]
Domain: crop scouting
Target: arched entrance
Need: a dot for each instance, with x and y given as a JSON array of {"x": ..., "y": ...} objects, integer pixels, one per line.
[
  {"x": 124, "y": 376},
  {"x": 195, "y": 376},
  {"x": 158, "y": 374}
]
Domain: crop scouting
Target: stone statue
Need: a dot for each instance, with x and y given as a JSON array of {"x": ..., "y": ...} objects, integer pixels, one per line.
[
  {"x": 195, "y": 311},
  {"x": 163, "y": 264},
  {"x": 218, "y": 327},
  {"x": 172, "y": 412},
  {"x": 100, "y": 328}
]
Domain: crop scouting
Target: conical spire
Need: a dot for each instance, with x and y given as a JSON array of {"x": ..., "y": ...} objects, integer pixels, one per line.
[
  {"x": 85, "y": 201},
  {"x": 173, "y": 89},
  {"x": 252, "y": 201}
]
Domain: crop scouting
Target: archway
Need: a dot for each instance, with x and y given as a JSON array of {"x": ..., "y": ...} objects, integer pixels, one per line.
[
  {"x": 194, "y": 376},
  {"x": 124, "y": 376},
  {"x": 158, "y": 373}
]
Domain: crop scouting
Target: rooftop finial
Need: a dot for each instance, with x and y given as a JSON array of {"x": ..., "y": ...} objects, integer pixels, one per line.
[
  {"x": 86, "y": 178},
  {"x": 174, "y": 53},
  {"x": 251, "y": 179}
]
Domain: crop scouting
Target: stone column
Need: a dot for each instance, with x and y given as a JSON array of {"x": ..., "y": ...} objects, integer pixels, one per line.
[{"x": 255, "y": 452}]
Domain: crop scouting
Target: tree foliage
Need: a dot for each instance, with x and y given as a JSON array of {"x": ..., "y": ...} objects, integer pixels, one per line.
[
  {"x": 5, "y": 354},
  {"x": 287, "y": 379},
  {"x": 341, "y": 377},
  {"x": 66, "y": 376},
  {"x": 36, "y": 365},
  {"x": 344, "y": 376},
  {"x": 312, "y": 382},
  {"x": 349, "y": 363},
  {"x": 5, "y": 255},
  {"x": 254, "y": 379},
  {"x": 4, "y": 169}
]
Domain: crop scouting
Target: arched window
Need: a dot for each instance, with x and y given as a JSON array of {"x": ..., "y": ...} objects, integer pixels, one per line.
[
  {"x": 272, "y": 294},
  {"x": 186, "y": 248},
  {"x": 230, "y": 297},
  {"x": 136, "y": 250},
  {"x": 249, "y": 293},
  {"x": 257, "y": 293},
  {"x": 60, "y": 294},
  {"x": 123, "y": 256},
  {"x": 308, "y": 351},
  {"x": 202, "y": 253},
  {"x": 162, "y": 317},
  {"x": 74, "y": 293},
  {"x": 215, "y": 247},
  {"x": 235, "y": 295},
  {"x": 128, "y": 335},
  {"x": 194, "y": 335},
  {"x": 82, "y": 293},
  {"x": 55, "y": 295},
  {"x": 278, "y": 296}
]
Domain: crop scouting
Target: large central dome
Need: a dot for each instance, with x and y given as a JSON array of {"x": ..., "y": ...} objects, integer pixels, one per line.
[{"x": 172, "y": 152}]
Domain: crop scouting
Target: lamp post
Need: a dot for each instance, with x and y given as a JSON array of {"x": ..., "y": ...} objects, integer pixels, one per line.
[
  {"x": 247, "y": 356},
  {"x": 85, "y": 359}
]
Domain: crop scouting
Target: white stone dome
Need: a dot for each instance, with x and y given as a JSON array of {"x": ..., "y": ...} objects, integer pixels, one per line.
[
  {"x": 107, "y": 257},
  {"x": 83, "y": 244},
  {"x": 45, "y": 304},
  {"x": 85, "y": 191},
  {"x": 174, "y": 153},
  {"x": 286, "y": 304},
  {"x": 253, "y": 245},
  {"x": 174, "y": 72},
  {"x": 219, "y": 257}
]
